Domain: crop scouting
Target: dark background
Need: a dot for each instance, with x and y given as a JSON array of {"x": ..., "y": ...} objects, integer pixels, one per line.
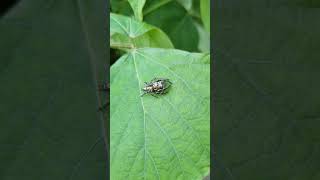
[
  {"x": 267, "y": 104},
  {"x": 6, "y": 5},
  {"x": 53, "y": 54}
]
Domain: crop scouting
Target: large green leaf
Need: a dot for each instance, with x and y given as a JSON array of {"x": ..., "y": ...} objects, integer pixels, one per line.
[
  {"x": 49, "y": 125},
  {"x": 166, "y": 137},
  {"x": 174, "y": 20},
  {"x": 267, "y": 106},
  {"x": 137, "y": 6},
  {"x": 126, "y": 32}
]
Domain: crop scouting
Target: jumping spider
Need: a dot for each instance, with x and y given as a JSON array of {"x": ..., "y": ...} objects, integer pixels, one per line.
[{"x": 156, "y": 86}]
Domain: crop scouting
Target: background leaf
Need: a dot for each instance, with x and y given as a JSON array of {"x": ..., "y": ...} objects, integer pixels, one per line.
[
  {"x": 175, "y": 17},
  {"x": 174, "y": 20},
  {"x": 187, "y": 4},
  {"x": 204, "y": 38},
  {"x": 121, "y": 7},
  {"x": 49, "y": 126},
  {"x": 166, "y": 137},
  {"x": 137, "y": 6},
  {"x": 205, "y": 13},
  {"x": 267, "y": 103},
  {"x": 126, "y": 32}
]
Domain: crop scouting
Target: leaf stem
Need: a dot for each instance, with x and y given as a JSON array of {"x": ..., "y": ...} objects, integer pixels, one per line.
[{"x": 121, "y": 46}]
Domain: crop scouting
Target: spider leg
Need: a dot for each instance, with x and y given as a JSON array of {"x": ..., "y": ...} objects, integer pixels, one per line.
[
  {"x": 154, "y": 79},
  {"x": 143, "y": 94},
  {"x": 165, "y": 88},
  {"x": 159, "y": 79},
  {"x": 164, "y": 79},
  {"x": 168, "y": 81},
  {"x": 164, "y": 92},
  {"x": 154, "y": 95}
]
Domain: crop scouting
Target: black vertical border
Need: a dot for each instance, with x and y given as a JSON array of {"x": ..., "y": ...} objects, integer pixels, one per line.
[
  {"x": 107, "y": 29},
  {"x": 212, "y": 88}
]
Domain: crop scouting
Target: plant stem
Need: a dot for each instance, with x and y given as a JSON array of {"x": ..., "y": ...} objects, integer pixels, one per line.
[{"x": 156, "y": 6}]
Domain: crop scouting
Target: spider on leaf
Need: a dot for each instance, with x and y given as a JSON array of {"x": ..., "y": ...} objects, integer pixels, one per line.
[{"x": 157, "y": 86}]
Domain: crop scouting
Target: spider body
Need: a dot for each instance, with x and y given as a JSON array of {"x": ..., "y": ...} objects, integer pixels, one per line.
[{"x": 156, "y": 86}]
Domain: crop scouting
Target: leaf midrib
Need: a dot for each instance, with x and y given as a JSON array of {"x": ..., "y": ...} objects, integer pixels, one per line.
[
  {"x": 144, "y": 112},
  {"x": 157, "y": 123}
]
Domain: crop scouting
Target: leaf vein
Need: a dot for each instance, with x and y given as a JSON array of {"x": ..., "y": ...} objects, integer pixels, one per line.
[
  {"x": 123, "y": 28},
  {"x": 144, "y": 112},
  {"x": 154, "y": 164},
  {"x": 169, "y": 140},
  {"x": 186, "y": 123}
]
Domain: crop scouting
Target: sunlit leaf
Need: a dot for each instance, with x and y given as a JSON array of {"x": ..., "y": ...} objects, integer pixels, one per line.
[{"x": 165, "y": 137}]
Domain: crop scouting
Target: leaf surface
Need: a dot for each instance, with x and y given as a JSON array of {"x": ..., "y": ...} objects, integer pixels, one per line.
[{"x": 166, "y": 137}]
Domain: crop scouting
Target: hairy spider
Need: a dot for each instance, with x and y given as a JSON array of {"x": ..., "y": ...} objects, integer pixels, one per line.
[{"x": 156, "y": 86}]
